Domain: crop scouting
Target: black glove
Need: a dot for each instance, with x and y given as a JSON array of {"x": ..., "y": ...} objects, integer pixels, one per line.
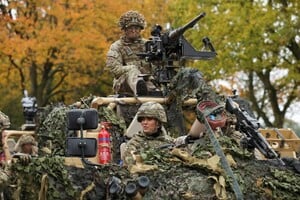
[{"x": 24, "y": 158}]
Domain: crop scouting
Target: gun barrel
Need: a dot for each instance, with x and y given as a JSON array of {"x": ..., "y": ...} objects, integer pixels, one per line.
[{"x": 179, "y": 31}]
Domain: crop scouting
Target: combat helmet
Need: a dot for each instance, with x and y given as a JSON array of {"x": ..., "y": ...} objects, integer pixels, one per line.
[
  {"x": 152, "y": 109},
  {"x": 25, "y": 139},
  {"x": 132, "y": 18}
]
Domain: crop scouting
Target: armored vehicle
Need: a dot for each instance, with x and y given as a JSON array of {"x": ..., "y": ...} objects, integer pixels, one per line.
[{"x": 226, "y": 154}]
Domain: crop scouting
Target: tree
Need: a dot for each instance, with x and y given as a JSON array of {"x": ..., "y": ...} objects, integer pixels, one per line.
[
  {"x": 57, "y": 49},
  {"x": 258, "y": 38},
  {"x": 49, "y": 43}
]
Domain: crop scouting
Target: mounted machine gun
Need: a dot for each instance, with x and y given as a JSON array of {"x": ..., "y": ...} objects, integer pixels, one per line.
[{"x": 162, "y": 49}]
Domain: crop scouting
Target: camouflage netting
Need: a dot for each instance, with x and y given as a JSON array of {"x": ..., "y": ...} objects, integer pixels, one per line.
[
  {"x": 174, "y": 173},
  {"x": 52, "y": 131},
  {"x": 49, "y": 178},
  {"x": 190, "y": 172}
]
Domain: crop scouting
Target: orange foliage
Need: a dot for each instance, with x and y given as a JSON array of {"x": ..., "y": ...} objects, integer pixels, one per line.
[{"x": 57, "y": 49}]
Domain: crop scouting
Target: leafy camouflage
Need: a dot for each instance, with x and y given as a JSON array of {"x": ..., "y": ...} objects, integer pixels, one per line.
[
  {"x": 190, "y": 83},
  {"x": 132, "y": 18},
  {"x": 53, "y": 131},
  {"x": 46, "y": 172},
  {"x": 48, "y": 177}
]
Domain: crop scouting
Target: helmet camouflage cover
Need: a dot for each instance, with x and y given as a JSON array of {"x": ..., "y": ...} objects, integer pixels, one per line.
[
  {"x": 25, "y": 139},
  {"x": 152, "y": 109},
  {"x": 132, "y": 18}
]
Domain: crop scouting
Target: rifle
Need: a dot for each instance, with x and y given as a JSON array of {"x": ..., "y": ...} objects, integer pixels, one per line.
[
  {"x": 162, "y": 49},
  {"x": 249, "y": 126}
]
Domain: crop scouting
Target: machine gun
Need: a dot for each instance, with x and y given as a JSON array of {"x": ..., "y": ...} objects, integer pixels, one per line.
[
  {"x": 249, "y": 126},
  {"x": 162, "y": 49}
]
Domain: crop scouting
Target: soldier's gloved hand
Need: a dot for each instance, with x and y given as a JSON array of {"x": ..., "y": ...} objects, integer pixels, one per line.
[
  {"x": 180, "y": 140},
  {"x": 25, "y": 159}
]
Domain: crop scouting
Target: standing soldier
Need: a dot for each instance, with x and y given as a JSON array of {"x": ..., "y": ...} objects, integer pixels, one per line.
[{"x": 122, "y": 59}]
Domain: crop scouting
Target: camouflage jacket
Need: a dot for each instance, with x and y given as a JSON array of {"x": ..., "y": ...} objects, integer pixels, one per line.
[
  {"x": 121, "y": 58},
  {"x": 4, "y": 121},
  {"x": 3, "y": 178},
  {"x": 141, "y": 142}
]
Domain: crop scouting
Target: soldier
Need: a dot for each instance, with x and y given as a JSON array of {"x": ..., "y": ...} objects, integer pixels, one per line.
[
  {"x": 122, "y": 60},
  {"x": 4, "y": 123},
  {"x": 27, "y": 145},
  {"x": 152, "y": 116}
]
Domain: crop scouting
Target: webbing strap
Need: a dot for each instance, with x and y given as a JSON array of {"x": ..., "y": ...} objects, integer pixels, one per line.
[{"x": 217, "y": 147}]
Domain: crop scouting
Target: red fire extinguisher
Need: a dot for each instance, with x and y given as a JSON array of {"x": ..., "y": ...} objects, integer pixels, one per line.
[{"x": 104, "y": 151}]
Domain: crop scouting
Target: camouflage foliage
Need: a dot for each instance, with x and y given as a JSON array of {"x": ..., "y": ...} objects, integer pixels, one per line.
[
  {"x": 52, "y": 132},
  {"x": 42, "y": 172},
  {"x": 132, "y": 18},
  {"x": 49, "y": 178}
]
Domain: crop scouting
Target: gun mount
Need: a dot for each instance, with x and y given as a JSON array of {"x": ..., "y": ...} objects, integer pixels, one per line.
[{"x": 162, "y": 49}]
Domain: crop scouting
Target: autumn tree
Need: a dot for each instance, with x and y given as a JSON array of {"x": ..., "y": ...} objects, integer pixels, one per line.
[
  {"x": 57, "y": 49},
  {"x": 50, "y": 43}
]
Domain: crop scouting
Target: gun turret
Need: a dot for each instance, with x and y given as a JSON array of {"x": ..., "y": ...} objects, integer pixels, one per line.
[
  {"x": 162, "y": 49},
  {"x": 172, "y": 46}
]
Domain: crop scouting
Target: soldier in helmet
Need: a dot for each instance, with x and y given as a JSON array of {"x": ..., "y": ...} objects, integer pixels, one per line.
[
  {"x": 152, "y": 116},
  {"x": 26, "y": 145},
  {"x": 122, "y": 59}
]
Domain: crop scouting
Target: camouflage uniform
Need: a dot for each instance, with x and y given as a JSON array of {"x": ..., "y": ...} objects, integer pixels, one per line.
[
  {"x": 140, "y": 141},
  {"x": 122, "y": 60},
  {"x": 4, "y": 123}
]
